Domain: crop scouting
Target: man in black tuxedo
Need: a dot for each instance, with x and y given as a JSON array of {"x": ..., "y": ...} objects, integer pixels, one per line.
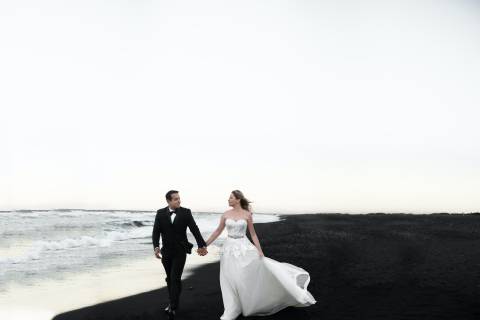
[{"x": 171, "y": 223}]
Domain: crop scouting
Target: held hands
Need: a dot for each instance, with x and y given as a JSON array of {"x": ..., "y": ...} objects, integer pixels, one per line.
[{"x": 202, "y": 251}]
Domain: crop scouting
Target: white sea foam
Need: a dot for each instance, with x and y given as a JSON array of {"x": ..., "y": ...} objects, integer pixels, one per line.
[{"x": 35, "y": 250}]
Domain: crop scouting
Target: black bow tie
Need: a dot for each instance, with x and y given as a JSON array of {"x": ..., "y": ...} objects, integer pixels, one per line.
[{"x": 172, "y": 212}]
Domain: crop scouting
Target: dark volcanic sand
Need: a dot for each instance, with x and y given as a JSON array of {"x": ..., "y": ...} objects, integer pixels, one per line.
[{"x": 376, "y": 266}]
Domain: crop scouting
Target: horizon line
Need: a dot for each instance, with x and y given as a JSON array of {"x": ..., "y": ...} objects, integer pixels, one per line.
[{"x": 216, "y": 212}]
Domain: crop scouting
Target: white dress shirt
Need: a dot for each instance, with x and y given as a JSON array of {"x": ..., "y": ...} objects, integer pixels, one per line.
[{"x": 172, "y": 217}]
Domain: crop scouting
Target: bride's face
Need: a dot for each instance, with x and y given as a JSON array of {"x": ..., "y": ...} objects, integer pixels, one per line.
[{"x": 232, "y": 200}]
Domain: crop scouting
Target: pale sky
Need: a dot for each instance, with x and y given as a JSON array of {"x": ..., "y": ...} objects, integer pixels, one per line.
[{"x": 305, "y": 106}]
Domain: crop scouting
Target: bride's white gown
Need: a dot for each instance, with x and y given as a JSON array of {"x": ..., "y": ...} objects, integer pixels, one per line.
[{"x": 252, "y": 285}]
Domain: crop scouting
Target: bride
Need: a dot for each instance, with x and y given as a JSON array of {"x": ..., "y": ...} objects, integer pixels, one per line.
[{"x": 252, "y": 284}]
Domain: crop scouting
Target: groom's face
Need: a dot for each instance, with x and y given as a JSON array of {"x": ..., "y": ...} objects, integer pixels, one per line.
[{"x": 175, "y": 201}]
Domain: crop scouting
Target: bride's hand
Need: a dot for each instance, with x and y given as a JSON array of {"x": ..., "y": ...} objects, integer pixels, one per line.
[{"x": 261, "y": 254}]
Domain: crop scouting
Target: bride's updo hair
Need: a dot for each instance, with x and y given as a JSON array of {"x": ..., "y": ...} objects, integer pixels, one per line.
[{"x": 244, "y": 202}]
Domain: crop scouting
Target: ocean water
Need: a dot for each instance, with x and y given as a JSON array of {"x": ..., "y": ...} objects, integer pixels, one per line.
[{"x": 54, "y": 244}]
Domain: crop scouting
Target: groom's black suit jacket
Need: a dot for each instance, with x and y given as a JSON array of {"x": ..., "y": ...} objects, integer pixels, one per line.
[{"x": 174, "y": 235}]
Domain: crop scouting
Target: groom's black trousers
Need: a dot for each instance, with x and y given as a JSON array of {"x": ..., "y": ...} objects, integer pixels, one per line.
[{"x": 173, "y": 264}]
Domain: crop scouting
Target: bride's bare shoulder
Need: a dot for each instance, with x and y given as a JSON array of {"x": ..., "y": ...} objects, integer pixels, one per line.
[
  {"x": 226, "y": 214},
  {"x": 248, "y": 214}
]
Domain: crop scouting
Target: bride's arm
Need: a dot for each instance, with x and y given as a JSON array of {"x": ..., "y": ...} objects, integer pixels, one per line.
[
  {"x": 218, "y": 231},
  {"x": 253, "y": 234}
]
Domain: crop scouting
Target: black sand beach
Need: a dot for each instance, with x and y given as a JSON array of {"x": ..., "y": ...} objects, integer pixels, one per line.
[{"x": 375, "y": 266}]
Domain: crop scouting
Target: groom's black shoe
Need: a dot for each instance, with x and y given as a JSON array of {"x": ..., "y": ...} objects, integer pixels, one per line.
[
  {"x": 170, "y": 312},
  {"x": 167, "y": 309}
]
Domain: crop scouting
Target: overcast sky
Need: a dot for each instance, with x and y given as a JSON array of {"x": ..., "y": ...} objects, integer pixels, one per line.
[{"x": 305, "y": 106}]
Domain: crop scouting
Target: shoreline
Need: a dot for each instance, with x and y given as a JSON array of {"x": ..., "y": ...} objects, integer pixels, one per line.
[{"x": 45, "y": 299}]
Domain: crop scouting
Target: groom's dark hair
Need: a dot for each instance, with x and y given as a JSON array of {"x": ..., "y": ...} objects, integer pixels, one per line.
[{"x": 169, "y": 194}]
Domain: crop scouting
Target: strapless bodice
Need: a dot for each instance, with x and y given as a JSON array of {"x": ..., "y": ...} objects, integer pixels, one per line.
[
  {"x": 237, "y": 243},
  {"x": 236, "y": 228}
]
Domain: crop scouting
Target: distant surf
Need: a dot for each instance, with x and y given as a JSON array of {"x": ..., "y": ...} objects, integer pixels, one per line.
[{"x": 46, "y": 244}]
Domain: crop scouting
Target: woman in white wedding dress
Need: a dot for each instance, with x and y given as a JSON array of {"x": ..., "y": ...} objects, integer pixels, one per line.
[{"x": 251, "y": 283}]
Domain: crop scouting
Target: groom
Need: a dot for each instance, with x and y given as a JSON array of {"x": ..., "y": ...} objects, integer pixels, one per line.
[{"x": 171, "y": 223}]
